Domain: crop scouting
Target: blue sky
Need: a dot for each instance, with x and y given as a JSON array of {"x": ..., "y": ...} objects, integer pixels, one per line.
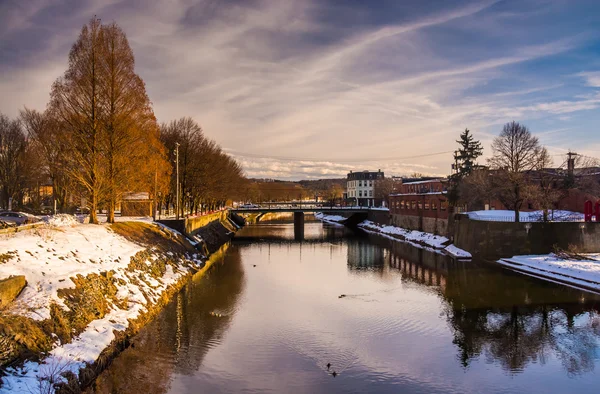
[{"x": 309, "y": 89}]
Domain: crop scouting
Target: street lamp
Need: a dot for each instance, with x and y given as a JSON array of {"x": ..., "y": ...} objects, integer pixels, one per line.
[{"x": 177, "y": 180}]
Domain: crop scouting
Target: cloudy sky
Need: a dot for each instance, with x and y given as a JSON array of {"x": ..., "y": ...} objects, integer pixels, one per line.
[{"x": 315, "y": 88}]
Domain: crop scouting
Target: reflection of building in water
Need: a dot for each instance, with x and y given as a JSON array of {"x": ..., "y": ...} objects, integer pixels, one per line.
[
  {"x": 509, "y": 319},
  {"x": 431, "y": 276},
  {"x": 364, "y": 255}
]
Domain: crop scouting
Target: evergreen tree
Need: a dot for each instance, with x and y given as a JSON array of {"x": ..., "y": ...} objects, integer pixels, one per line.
[{"x": 470, "y": 149}]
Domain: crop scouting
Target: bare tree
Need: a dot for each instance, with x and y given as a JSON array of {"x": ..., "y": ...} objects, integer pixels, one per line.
[
  {"x": 514, "y": 152},
  {"x": 383, "y": 188},
  {"x": 12, "y": 149},
  {"x": 44, "y": 138},
  {"x": 545, "y": 191},
  {"x": 475, "y": 189},
  {"x": 75, "y": 99},
  {"x": 207, "y": 176}
]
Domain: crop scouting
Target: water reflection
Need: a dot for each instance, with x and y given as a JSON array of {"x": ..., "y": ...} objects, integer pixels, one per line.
[
  {"x": 178, "y": 340},
  {"x": 411, "y": 320},
  {"x": 506, "y": 317},
  {"x": 364, "y": 255}
]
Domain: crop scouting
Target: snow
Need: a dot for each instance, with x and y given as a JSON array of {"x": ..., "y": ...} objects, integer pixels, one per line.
[
  {"x": 423, "y": 182},
  {"x": 49, "y": 257},
  {"x": 577, "y": 273},
  {"x": 435, "y": 241},
  {"x": 457, "y": 252},
  {"x": 329, "y": 218},
  {"x": 416, "y": 238},
  {"x": 417, "y": 194},
  {"x": 501, "y": 215},
  {"x": 61, "y": 220}
]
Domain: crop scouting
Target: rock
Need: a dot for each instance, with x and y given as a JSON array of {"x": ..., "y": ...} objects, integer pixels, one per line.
[{"x": 10, "y": 289}]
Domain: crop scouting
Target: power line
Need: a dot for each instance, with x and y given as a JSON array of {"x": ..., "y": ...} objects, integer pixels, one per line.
[{"x": 292, "y": 158}]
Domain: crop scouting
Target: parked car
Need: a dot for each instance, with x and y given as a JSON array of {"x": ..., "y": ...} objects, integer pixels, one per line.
[
  {"x": 249, "y": 206},
  {"x": 14, "y": 217}
]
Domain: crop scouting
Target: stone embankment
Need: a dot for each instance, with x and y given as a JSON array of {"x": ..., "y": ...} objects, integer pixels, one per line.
[{"x": 72, "y": 296}]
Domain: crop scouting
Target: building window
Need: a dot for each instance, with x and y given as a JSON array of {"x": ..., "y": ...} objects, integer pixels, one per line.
[
  {"x": 413, "y": 204},
  {"x": 427, "y": 205},
  {"x": 360, "y": 193},
  {"x": 370, "y": 193},
  {"x": 444, "y": 205},
  {"x": 434, "y": 205},
  {"x": 420, "y": 204}
]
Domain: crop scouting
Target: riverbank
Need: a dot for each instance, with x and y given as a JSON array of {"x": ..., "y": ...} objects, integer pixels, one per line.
[
  {"x": 419, "y": 239},
  {"x": 89, "y": 289}
]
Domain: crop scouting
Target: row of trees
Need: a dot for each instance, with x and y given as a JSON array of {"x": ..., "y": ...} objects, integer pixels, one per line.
[
  {"x": 99, "y": 139},
  {"x": 208, "y": 177},
  {"x": 519, "y": 171}
]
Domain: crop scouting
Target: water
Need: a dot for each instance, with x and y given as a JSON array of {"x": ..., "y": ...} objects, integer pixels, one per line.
[{"x": 410, "y": 321}]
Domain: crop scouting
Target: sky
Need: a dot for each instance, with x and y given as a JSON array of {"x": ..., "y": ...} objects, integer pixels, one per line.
[{"x": 308, "y": 89}]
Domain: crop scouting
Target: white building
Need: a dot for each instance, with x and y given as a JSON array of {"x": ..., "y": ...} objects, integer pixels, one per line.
[{"x": 360, "y": 188}]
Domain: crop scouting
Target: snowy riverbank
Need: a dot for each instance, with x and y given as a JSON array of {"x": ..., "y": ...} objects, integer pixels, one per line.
[
  {"x": 90, "y": 281},
  {"x": 582, "y": 274},
  {"x": 437, "y": 243}
]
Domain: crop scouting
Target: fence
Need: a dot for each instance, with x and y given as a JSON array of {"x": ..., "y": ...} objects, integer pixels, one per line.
[{"x": 531, "y": 217}]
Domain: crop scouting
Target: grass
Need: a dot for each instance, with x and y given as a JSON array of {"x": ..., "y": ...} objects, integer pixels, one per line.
[{"x": 5, "y": 257}]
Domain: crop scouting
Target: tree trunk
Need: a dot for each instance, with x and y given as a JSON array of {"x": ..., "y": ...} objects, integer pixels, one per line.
[
  {"x": 93, "y": 208},
  {"x": 110, "y": 218},
  {"x": 517, "y": 203}
]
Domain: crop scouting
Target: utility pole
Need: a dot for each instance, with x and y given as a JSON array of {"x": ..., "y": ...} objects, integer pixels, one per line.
[
  {"x": 155, "y": 199},
  {"x": 177, "y": 180},
  {"x": 456, "y": 161},
  {"x": 571, "y": 163}
]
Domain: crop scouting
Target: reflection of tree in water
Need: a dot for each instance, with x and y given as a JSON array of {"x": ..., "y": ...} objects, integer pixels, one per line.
[
  {"x": 517, "y": 321},
  {"x": 181, "y": 335}
]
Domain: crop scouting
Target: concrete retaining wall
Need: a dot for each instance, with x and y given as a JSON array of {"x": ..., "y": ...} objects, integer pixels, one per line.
[
  {"x": 190, "y": 225},
  {"x": 506, "y": 239},
  {"x": 379, "y": 216}
]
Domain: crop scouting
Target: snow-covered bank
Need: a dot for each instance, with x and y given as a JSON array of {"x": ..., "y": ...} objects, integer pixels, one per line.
[
  {"x": 582, "y": 274},
  {"x": 535, "y": 216},
  {"x": 89, "y": 280},
  {"x": 335, "y": 219},
  {"x": 417, "y": 238},
  {"x": 436, "y": 242}
]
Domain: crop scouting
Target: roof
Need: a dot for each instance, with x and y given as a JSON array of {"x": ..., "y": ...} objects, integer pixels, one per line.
[
  {"x": 136, "y": 196},
  {"x": 415, "y": 194},
  {"x": 424, "y": 181}
]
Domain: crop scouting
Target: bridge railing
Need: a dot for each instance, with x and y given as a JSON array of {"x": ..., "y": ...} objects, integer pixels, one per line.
[{"x": 305, "y": 208}]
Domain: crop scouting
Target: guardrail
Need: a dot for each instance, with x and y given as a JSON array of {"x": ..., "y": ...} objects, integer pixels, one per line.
[
  {"x": 23, "y": 227},
  {"x": 303, "y": 208}
]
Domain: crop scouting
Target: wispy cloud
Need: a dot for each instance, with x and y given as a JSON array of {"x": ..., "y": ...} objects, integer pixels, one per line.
[
  {"x": 592, "y": 78},
  {"x": 316, "y": 79}
]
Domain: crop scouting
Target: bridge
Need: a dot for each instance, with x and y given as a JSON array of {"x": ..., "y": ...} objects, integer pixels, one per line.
[{"x": 299, "y": 209}]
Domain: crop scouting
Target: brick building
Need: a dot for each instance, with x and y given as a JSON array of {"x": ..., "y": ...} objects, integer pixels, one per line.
[{"x": 421, "y": 204}]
